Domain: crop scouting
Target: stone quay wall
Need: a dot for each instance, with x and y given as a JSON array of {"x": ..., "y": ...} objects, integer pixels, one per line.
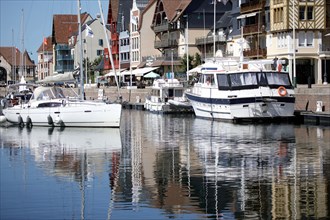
[{"x": 306, "y": 98}]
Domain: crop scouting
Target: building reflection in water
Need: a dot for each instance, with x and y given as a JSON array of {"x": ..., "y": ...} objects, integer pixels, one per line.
[
  {"x": 222, "y": 169},
  {"x": 187, "y": 167}
]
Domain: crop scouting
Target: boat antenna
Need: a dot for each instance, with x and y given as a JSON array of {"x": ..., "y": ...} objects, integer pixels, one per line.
[
  {"x": 108, "y": 45},
  {"x": 81, "y": 53}
]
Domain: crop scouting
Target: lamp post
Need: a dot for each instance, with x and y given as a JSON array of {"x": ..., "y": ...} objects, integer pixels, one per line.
[
  {"x": 214, "y": 21},
  {"x": 325, "y": 80},
  {"x": 294, "y": 45},
  {"x": 187, "y": 46},
  {"x": 172, "y": 63}
]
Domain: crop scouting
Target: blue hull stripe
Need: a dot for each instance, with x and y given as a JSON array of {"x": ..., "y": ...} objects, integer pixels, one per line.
[{"x": 231, "y": 101}]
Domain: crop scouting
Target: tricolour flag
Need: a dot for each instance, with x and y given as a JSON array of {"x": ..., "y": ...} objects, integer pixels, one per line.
[
  {"x": 89, "y": 32},
  {"x": 45, "y": 41}
]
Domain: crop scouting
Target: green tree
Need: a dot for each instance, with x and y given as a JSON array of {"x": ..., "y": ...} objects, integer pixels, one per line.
[
  {"x": 184, "y": 62},
  {"x": 197, "y": 60},
  {"x": 91, "y": 66}
]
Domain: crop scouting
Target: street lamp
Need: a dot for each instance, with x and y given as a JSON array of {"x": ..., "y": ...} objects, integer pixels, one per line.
[
  {"x": 325, "y": 81},
  {"x": 214, "y": 21},
  {"x": 294, "y": 46},
  {"x": 187, "y": 45},
  {"x": 172, "y": 62}
]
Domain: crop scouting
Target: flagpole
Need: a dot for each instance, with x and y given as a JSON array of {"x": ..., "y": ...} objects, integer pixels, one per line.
[
  {"x": 43, "y": 58},
  {"x": 81, "y": 55},
  {"x": 86, "y": 70}
]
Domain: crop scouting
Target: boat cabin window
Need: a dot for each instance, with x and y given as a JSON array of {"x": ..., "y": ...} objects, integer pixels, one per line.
[
  {"x": 155, "y": 92},
  {"x": 262, "y": 79},
  {"x": 223, "y": 83},
  {"x": 58, "y": 92},
  {"x": 243, "y": 80},
  {"x": 276, "y": 79},
  {"x": 178, "y": 93},
  {"x": 207, "y": 79},
  {"x": 51, "y": 93},
  {"x": 252, "y": 80}
]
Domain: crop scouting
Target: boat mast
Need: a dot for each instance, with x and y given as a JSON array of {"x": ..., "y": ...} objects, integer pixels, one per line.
[
  {"x": 81, "y": 54},
  {"x": 109, "y": 49},
  {"x": 22, "y": 41}
]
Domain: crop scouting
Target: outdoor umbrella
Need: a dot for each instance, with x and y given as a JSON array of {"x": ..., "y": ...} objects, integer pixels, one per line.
[{"x": 151, "y": 75}]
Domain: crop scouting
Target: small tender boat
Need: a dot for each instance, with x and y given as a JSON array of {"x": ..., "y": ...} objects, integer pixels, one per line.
[
  {"x": 167, "y": 96},
  {"x": 236, "y": 90},
  {"x": 49, "y": 106}
]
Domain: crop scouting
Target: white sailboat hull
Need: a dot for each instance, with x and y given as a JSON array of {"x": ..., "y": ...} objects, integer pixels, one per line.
[{"x": 70, "y": 114}]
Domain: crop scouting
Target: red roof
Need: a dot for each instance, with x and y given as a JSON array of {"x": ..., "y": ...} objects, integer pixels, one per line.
[
  {"x": 64, "y": 26},
  {"x": 12, "y": 54},
  {"x": 46, "y": 45}
]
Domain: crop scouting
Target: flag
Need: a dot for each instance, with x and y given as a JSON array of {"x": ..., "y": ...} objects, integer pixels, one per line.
[
  {"x": 45, "y": 41},
  {"x": 89, "y": 32}
]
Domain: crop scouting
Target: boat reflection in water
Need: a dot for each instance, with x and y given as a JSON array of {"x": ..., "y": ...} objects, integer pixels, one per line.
[
  {"x": 166, "y": 166},
  {"x": 65, "y": 156}
]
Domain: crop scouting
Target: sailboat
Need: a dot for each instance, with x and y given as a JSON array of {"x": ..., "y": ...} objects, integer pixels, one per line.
[{"x": 50, "y": 106}]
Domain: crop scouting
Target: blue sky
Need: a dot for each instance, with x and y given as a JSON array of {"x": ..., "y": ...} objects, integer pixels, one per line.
[{"x": 38, "y": 17}]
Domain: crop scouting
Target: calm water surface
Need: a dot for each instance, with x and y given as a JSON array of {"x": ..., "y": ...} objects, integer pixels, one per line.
[{"x": 166, "y": 166}]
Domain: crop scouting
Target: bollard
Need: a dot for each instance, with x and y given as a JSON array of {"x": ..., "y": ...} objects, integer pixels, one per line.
[
  {"x": 309, "y": 80},
  {"x": 319, "y": 106}
]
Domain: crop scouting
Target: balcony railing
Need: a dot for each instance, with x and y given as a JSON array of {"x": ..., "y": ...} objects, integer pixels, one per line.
[
  {"x": 278, "y": 2},
  {"x": 162, "y": 27},
  {"x": 209, "y": 39},
  {"x": 253, "y": 29},
  {"x": 165, "y": 43},
  {"x": 254, "y": 5},
  {"x": 61, "y": 57},
  {"x": 62, "y": 47},
  {"x": 324, "y": 49},
  {"x": 255, "y": 53}
]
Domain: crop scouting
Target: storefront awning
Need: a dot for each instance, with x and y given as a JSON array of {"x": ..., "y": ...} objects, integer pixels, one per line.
[
  {"x": 142, "y": 71},
  {"x": 247, "y": 15}
]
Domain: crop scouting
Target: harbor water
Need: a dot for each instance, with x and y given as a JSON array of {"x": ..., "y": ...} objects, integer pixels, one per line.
[{"x": 166, "y": 167}]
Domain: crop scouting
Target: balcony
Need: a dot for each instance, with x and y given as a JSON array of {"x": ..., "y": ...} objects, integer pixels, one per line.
[
  {"x": 162, "y": 27},
  {"x": 255, "y": 5},
  {"x": 63, "y": 68},
  {"x": 165, "y": 43},
  {"x": 61, "y": 47},
  {"x": 324, "y": 50},
  {"x": 61, "y": 57},
  {"x": 253, "y": 29},
  {"x": 255, "y": 53},
  {"x": 210, "y": 40}
]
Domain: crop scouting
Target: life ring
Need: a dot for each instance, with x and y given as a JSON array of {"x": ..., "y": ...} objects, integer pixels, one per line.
[{"x": 282, "y": 91}]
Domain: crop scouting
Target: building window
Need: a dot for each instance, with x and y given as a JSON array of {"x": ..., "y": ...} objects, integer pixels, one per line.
[
  {"x": 99, "y": 52},
  {"x": 301, "y": 12},
  {"x": 281, "y": 40},
  {"x": 278, "y": 15},
  {"x": 310, "y": 14},
  {"x": 306, "y": 13},
  {"x": 101, "y": 42},
  {"x": 305, "y": 39}
]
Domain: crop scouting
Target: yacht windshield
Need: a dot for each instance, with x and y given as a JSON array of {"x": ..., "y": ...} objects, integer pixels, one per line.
[
  {"x": 278, "y": 79},
  {"x": 250, "y": 80},
  {"x": 47, "y": 93}
]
